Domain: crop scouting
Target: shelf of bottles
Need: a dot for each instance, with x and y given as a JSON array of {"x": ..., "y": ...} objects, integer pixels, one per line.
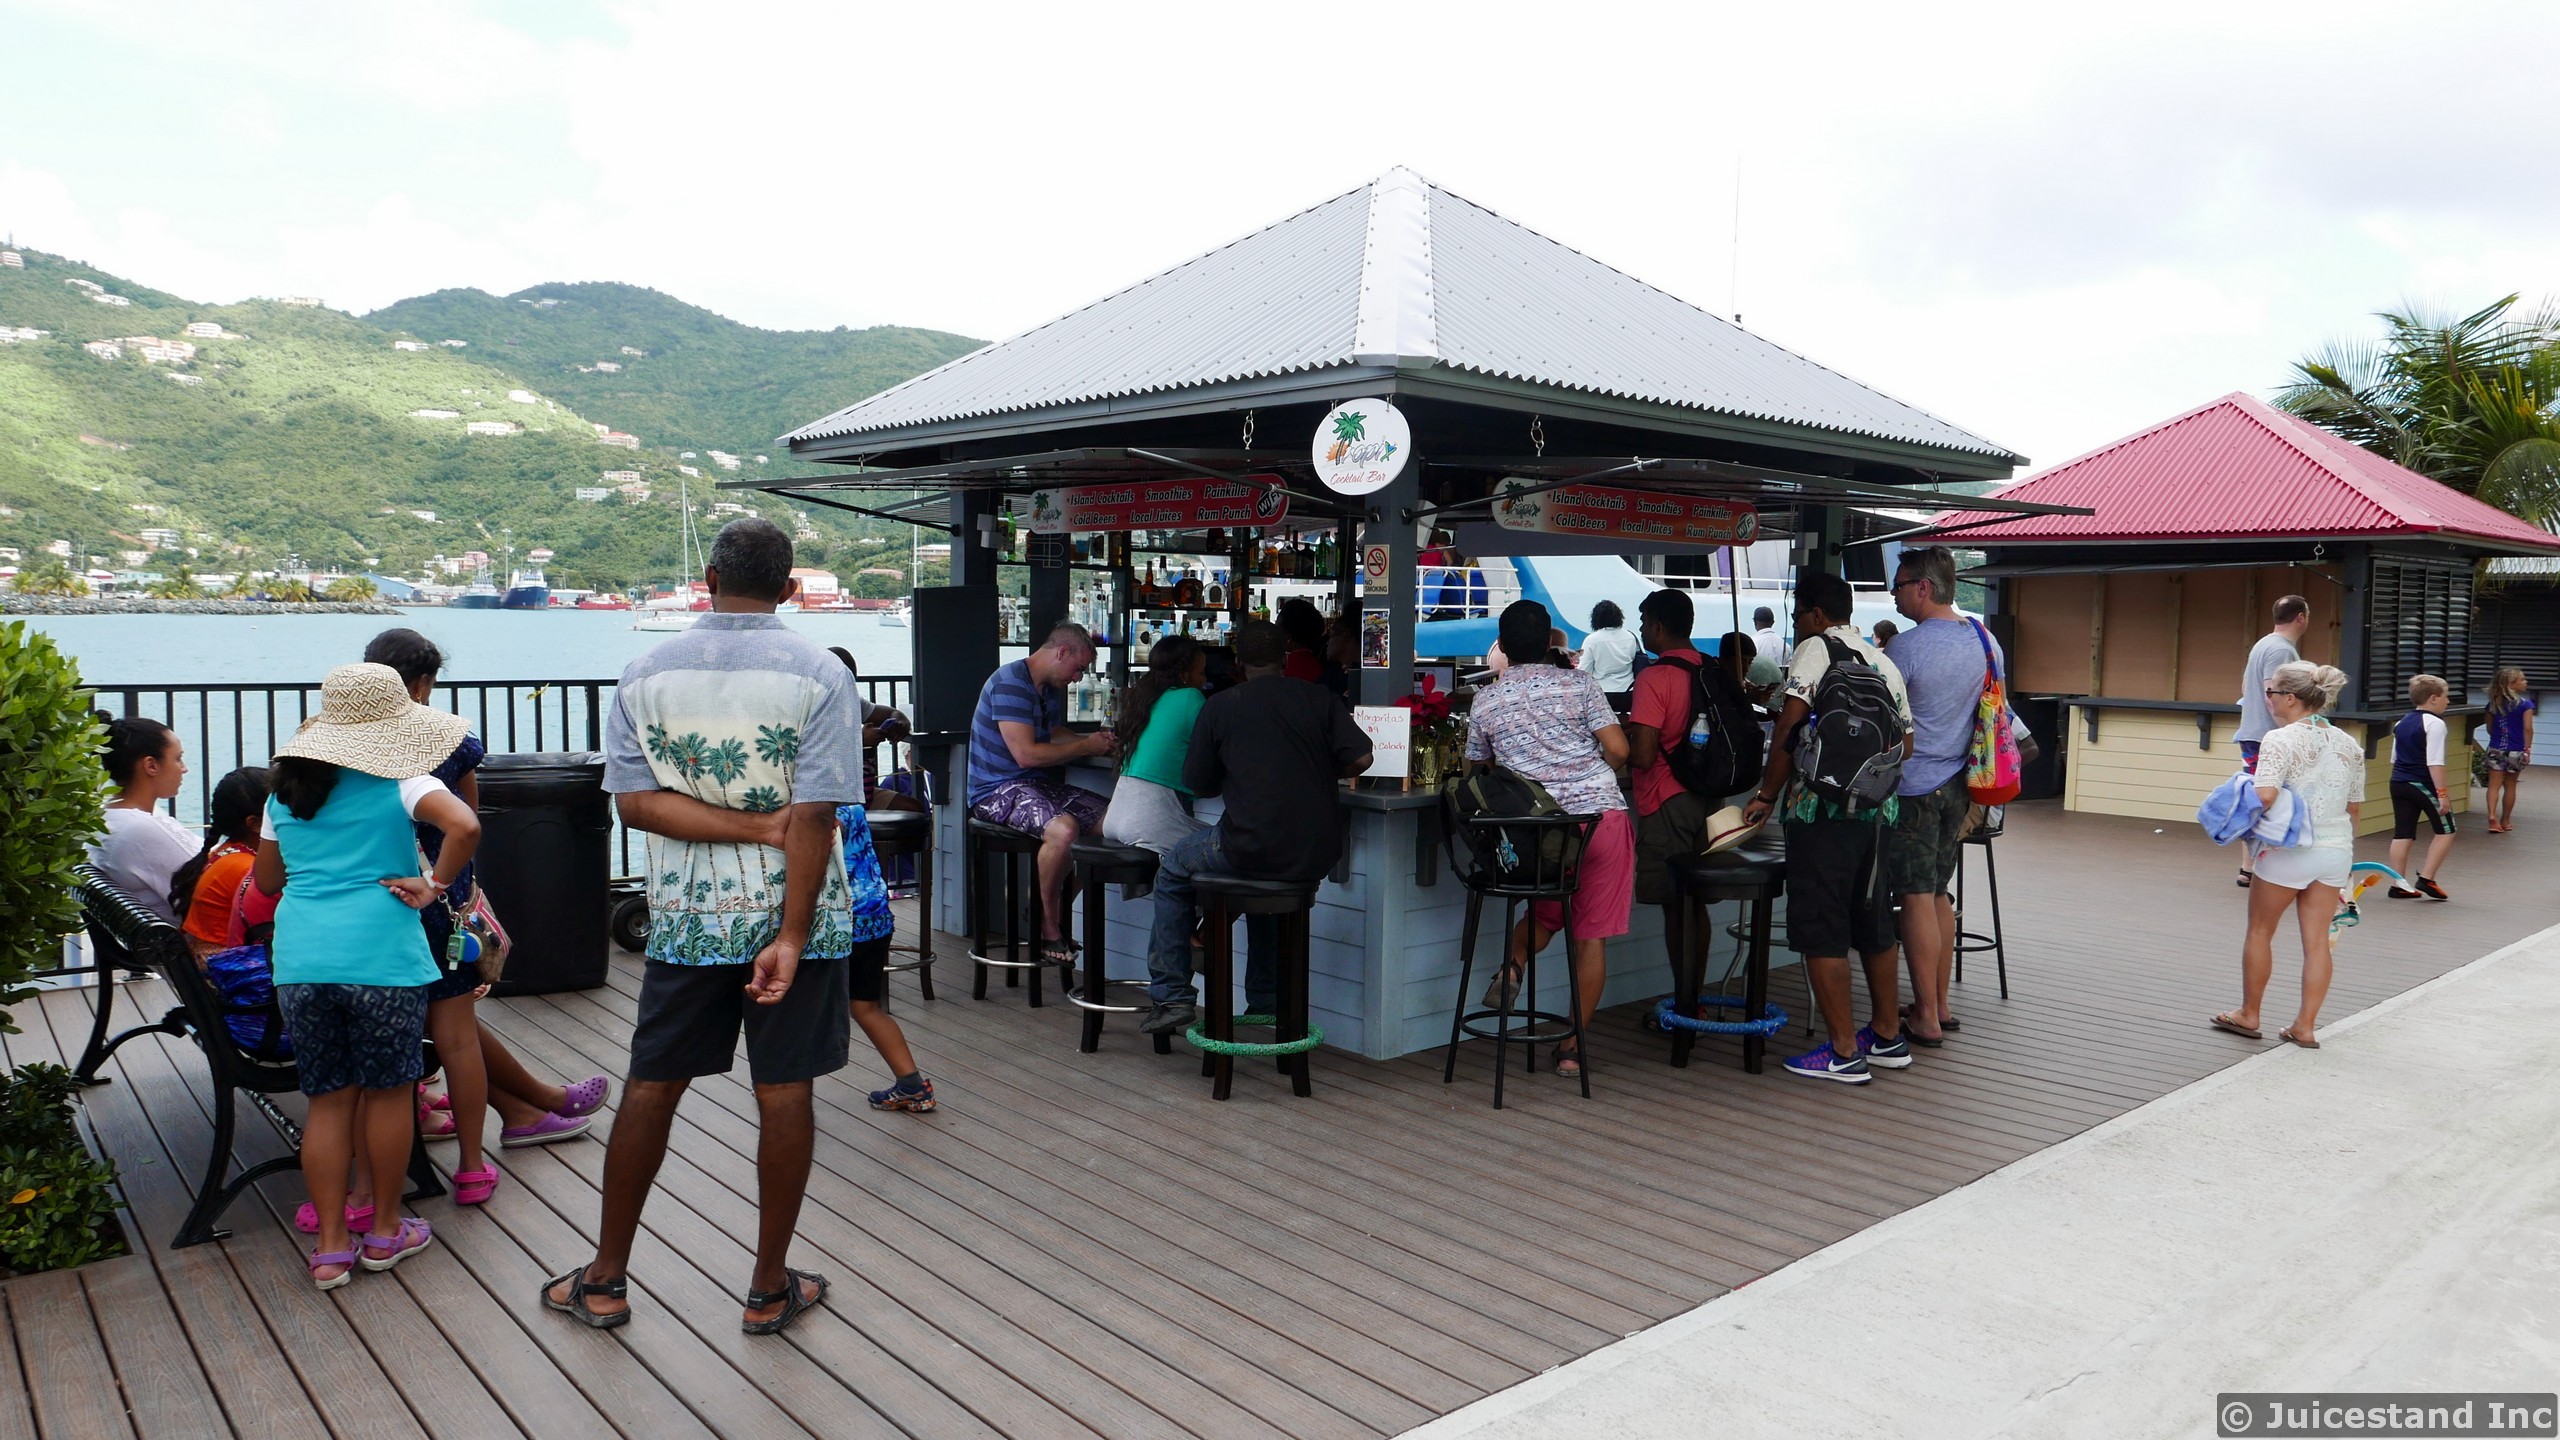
[{"x": 1142, "y": 587}]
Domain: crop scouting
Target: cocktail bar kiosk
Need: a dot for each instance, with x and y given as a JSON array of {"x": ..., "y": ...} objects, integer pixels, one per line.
[{"x": 1294, "y": 414}]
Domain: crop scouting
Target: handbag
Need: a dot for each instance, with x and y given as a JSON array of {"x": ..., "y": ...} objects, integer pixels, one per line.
[
  {"x": 487, "y": 937},
  {"x": 1992, "y": 764}
]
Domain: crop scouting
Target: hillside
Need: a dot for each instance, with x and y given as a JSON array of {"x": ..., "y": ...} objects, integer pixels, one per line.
[
  {"x": 698, "y": 381},
  {"x": 302, "y": 431}
]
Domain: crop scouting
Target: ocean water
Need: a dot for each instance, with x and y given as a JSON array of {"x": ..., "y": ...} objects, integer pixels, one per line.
[{"x": 478, "y": 644}]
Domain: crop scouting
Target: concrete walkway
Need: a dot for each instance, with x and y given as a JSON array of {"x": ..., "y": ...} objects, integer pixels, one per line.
[{"x": 2383, "y": 1214}]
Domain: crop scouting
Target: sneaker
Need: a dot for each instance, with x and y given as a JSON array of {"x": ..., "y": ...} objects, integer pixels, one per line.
[
  {"x": 2431, "y": 889},
  {"x": 1893, "y": 1054},
  {"x": 1170, "y": 1017},
  {"x": 898, "y": 1097},
  {"x": 2411, "y": 893},
  {"x": 1820, "y": 1063}
]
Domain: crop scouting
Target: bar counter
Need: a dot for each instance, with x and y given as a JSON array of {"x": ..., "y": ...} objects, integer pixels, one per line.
[{"x": 1383, "y": 958}]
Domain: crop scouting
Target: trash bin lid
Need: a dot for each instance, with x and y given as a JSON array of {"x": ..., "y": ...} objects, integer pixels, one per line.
[{"x": 536, "y": 777}]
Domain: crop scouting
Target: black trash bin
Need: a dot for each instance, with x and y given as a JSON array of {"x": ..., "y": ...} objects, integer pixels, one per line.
[{"x": 546, "y": 829}]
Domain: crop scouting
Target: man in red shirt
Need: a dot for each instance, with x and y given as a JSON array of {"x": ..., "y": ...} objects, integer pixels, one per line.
[{"x": 1670, "y": 822}]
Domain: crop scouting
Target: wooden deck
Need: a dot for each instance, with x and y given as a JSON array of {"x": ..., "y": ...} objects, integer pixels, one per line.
[{"x": 1080, "y": 1244}]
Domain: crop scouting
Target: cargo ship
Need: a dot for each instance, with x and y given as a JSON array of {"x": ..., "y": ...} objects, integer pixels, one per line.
[{"x": 527, "y": 587}]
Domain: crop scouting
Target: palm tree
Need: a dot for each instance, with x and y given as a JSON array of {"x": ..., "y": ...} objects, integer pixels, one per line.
[
  {"x": 2473, "y": 402},
  {"x": 351, "y": 588},
  {"x": 49, "y": 575},
  {"x": 178, "y": 584}
]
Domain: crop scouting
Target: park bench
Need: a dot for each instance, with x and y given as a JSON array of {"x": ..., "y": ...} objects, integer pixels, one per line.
[{"x": 129, "y": 938}]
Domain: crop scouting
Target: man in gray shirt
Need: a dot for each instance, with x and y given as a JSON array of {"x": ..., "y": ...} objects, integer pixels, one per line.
[
  {"x": 2279, "y": 646},
  {"x": 1943, "y": 658}
]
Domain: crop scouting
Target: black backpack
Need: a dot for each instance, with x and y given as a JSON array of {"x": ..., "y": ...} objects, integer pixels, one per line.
[
  {"x": 1496, "y": 793},
  {"x": 1729, "y": 761},
  {"x": 1849, "y": 751}
]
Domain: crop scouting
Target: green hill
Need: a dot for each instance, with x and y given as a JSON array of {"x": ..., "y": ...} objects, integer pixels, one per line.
[
  {"x": 698, "y": 381},
  {"x": 299, "y": 431}
]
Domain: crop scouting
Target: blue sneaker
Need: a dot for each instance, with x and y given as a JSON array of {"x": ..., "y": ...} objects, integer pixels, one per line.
[
  {"x": 1893, "y": 1054},
  {"x": 1820, "y": 1063},
  {"x": 914, "y": 1101}
]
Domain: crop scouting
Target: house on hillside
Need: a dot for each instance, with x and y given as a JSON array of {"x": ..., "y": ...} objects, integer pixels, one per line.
[
  {"x": 205, "y": 329},
  {"x": 593, "y": 494},
  {"x": 435, "y": 414},
  {"x": 300, "y": 302},
  {"x": 689, "y": 470},
  {"x": 493, "y": 427},
  {"x": 524, "y": 397},
  {"x": 633, "y": 490},
  {"x": 76, "y": 283},
  {"x": 105, "y": 349},
  {"x": 732, "y": 507},
  {"x": 110, "y": 299},
  {"x": 455, "y": 344},
  {"x": 429, "y": 516},
  {"x": 12, "y": 335},
  {"x": 608, "y": 367},
  {"x": 623, "y": 438},
  {"x": 12, "y": 260},
  {"x": 185, "y": 379},
  {"x": 725, "y": 460},
  {"x": 411, "y": 345},
  {"x": 620, "y": 477},
  {"x": 635, "y": 352},
  {"x": 156, "y": 351},
  {"x": 159, "y": 537}
]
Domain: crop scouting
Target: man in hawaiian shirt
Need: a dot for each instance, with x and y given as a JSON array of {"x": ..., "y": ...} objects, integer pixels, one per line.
[{"x": 731, "y": 746}]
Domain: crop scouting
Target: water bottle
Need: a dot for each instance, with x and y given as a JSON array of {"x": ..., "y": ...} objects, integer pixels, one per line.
[{"x": 1698, "y": 728}]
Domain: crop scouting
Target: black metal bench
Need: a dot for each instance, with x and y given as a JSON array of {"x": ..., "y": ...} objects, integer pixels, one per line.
[{"x": 131, "y": 938}]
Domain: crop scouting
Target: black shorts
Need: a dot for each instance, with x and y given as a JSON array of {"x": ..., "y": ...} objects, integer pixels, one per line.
[
  {"x": 1836, "y": 898},
  {"x": 865, "y": 975},
  {"x": 2412, "y": 803},
  {"x": 691, "y": 1015}
]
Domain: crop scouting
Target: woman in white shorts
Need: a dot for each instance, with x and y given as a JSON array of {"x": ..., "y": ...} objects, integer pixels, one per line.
[{"x": 2325, "y": 771}]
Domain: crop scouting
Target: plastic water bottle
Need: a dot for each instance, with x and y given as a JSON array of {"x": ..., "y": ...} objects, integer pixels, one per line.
[{"x": 1698, "y": 728}]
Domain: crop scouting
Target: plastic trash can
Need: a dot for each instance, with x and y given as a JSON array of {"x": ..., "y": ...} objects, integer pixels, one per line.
[{"x": 546, "y": 831}]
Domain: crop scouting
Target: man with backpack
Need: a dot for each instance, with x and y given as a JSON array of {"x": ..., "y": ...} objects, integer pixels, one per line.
[
  {"x": 1944, "y": 659},
  {"x": 1551, "y": 724},
  {"x": 1692, "y": 740},
  {"x": 1834, "y": 768}
]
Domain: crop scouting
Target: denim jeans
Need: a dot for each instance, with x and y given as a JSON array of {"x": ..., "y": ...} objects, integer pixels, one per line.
[{"x": 1169, "y": 950}]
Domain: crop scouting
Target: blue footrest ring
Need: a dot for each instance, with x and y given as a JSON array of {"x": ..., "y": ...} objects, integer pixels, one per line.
[{"x": 1665, "y": 1017}]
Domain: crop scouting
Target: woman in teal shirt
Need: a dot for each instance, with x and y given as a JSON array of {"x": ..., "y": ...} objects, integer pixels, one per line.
[
  {"x": 1150, "y": 808},
  {"x": 351, "y": 960}
]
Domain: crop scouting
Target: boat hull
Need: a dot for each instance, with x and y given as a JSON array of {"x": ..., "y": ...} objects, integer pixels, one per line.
[{"x": 526, "y": 597}]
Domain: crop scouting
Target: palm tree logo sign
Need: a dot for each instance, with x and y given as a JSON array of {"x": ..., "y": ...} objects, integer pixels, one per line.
[{"x": 1361, "y": 446}]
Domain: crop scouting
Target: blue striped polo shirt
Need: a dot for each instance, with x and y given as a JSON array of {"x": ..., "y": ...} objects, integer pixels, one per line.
[{"x": 1010, "y": 694}]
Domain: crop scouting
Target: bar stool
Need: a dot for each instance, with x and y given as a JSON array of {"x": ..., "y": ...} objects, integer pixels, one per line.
[
  {"x": 1754, "y": 874},
  {"x": 1099, "y": 864},
  {"x": 1224, "y": 897},
  {"x": 896, "y": 833},
  {"x": 1541, "y": 877},
  {"x": 986, "y": 837},
  {"x": 1972, "y": 941}
]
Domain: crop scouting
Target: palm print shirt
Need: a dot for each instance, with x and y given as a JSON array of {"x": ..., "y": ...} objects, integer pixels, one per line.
[
  {"x": 743, "y": 713},
  {"x": 871, "y": 917}
]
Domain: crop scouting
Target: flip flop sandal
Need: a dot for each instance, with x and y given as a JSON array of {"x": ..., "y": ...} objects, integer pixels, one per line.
[
  {"x": 788, "y": 1297},
  {"x": 359, "y": 1218},
  {"x": 434, "y": 1124},
  {"x": 1949, "y": 1025},
  {"x": 2243, "y": 881},
  {"x": 1567, "y": 1066},
  {"x": 332, "y": 1257},
  {"x": 474, "y": 1187},
  {"x": 2287, "y": 1034},
  {"x": 617, "y": 1288},
  {"x": 413, "y": 1236},
  {"x": 2230, "y": 1026}
]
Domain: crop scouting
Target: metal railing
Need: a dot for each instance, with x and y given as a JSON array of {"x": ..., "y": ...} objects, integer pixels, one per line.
[{"x": 227, "y": 726}]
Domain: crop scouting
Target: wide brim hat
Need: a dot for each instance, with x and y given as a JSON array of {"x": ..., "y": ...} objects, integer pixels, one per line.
[
  {"x": 1726, "y": 828},
  {"x": 368, "y": 723}
]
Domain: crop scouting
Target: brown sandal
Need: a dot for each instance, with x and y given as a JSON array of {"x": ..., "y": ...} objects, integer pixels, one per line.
[
  {"x": 2226, "y": 1023},
  {"x": 2306, "y": 1043}
]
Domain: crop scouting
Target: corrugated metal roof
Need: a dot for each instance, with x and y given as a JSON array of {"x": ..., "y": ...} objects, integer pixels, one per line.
[
  {"x": 1399, "y": 268},
  {"x": 2239, "y": 469}
]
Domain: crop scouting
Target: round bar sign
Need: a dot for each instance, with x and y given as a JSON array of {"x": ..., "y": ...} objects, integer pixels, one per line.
[{"x": 1361, "y": 446}]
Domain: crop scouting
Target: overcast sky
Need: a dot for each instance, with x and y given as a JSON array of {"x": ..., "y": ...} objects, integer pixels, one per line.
[{"x": 2051, "y": 224}]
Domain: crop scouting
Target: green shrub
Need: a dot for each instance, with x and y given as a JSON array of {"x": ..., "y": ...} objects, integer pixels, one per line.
[
  {"x": 57, "y": 1202},
  {"x": 52, "y": 800}
]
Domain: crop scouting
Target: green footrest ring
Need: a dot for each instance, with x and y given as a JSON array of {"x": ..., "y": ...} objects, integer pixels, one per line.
[{"x": 1200, "y": 1040}]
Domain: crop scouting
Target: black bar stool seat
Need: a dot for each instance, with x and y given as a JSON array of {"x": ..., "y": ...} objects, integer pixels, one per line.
[
  {"x": 901, "y": 833},
  {"x": 1223, "y": 897},
  {"x": 1100, "y": 863},
  {"x": 1754, "y": 875},
  {"x": 985, "y": 837}
]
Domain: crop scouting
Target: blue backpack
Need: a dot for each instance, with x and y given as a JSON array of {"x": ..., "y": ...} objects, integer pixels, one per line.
[{"x": 245, "y": 977}]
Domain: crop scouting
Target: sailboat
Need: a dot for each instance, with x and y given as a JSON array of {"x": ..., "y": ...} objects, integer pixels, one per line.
[{"x": 679, "y": 609}]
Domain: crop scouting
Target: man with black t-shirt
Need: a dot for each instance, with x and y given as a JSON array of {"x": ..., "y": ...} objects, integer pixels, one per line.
[{"x": 1274, "y": 748}]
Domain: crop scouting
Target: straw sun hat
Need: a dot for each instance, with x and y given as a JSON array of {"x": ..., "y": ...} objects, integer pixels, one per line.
[{"x": 368, "y": 723}]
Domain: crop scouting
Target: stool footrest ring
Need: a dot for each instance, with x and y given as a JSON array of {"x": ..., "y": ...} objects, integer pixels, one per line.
[
  {"x": 1200, "y": 1039},
  {"x": 1666, "y": 1017},
  {"x": 1524, "y": 1026},
  {"x": 1082, "y": 1003},
  {"x": 1010, "y": 964}
]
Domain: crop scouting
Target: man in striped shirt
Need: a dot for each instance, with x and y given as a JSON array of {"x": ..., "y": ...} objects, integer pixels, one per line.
[{"x": 1018, "y": 752}]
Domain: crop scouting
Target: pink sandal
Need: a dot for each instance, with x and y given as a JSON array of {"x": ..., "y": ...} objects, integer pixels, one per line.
[
  {"x": 359, "y": 1218},
  {"x": 474, "y": 1187},
  {"x": 381, "y": 1252},
  {"x": 332, "y": 1257},
  {"x": 434, "y": 1124}
]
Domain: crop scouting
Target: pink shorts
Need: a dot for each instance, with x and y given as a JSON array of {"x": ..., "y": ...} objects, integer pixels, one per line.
[{"x": 1606, "y": 886}]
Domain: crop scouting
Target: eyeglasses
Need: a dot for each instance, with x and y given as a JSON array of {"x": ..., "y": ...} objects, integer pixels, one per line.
[
  {"x": 1907, "y": 584},
  {"x": 2271, "y": 694}
]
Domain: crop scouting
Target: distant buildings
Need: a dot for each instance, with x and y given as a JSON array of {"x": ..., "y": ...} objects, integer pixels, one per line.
[
  {"x": 623, "y": 438},
  {"x": 635, "y": 352},
  {"x": 206, "y": 329},
  {"x": 455, "y": 344},
  {"x": 435, "y": 414},
  {"x": 111, "y": 299},
  {"x": 105, "y": 349},
  {"x": 689, "y": 470},
  {"x": 156, "y": 351},
  {"x": 731, "y": 507},
  {"x": 493, "y": 427},
  {"x": 428, "y": 516},
  {"x": 185, "y": 379},
  {"x": 300, "y": 302},
  {"x": 608, "y": 367},
  {"x": 725, "y": 460},
  {"x": 524, "y": 397},
  {"x": 634, "y": 490},
  {"x": 76, "y": 283},
  {"x": 12, "y": 335},
  {"x": 159, "y": 538},
  {"x": 620, "y": 477},
  {"x": 411, "y": 345},
  {"x": 592, "y": 494},
  {"x": 58, "y": 547},
  {"x": 12, "y": 260}
]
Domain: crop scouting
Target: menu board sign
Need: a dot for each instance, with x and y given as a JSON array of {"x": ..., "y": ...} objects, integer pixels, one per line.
[
  {"x": 1191, "y": 504},
  {"x": 1390, "y": 732},
  {"x": 1605, "y": 512}
]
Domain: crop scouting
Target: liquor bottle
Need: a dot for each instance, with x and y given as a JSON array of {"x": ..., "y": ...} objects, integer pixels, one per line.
[
  {"x": 1216, "y": 594},
  {"x": 1217, "y": 542},
  {"x": 1186, "y": 591}
]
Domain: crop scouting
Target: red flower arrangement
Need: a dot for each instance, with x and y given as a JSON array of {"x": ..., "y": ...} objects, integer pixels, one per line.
[{"x": 1429, "y": 707}]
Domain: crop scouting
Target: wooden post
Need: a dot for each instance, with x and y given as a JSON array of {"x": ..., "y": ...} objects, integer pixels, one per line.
[{"x": 2098, "y": 637}]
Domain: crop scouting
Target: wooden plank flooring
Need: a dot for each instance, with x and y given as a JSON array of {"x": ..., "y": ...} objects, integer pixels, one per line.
[{"x": 1084, "y": 1244}]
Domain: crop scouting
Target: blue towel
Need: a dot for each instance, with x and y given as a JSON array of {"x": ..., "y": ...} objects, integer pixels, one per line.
[{"x": 2231, "y": 811}]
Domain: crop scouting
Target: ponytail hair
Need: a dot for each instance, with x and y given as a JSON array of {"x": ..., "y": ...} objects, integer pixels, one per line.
[
  {"x": 237, "y": 799},
  {"x": 130, "y": 741},
  {"x": 302, "y": 784}
]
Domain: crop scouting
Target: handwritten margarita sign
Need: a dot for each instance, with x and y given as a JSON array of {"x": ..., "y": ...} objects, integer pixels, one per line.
[
  {"x": 1390, "y": 732},
  {"x": 1602, "y": 512},
  {"x": 1361, "y": 446},
  {"x": 1158, "y": 505}
]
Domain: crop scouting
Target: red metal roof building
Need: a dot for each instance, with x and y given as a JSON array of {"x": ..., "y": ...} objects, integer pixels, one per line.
[{"x": 2128, "y": 629}]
